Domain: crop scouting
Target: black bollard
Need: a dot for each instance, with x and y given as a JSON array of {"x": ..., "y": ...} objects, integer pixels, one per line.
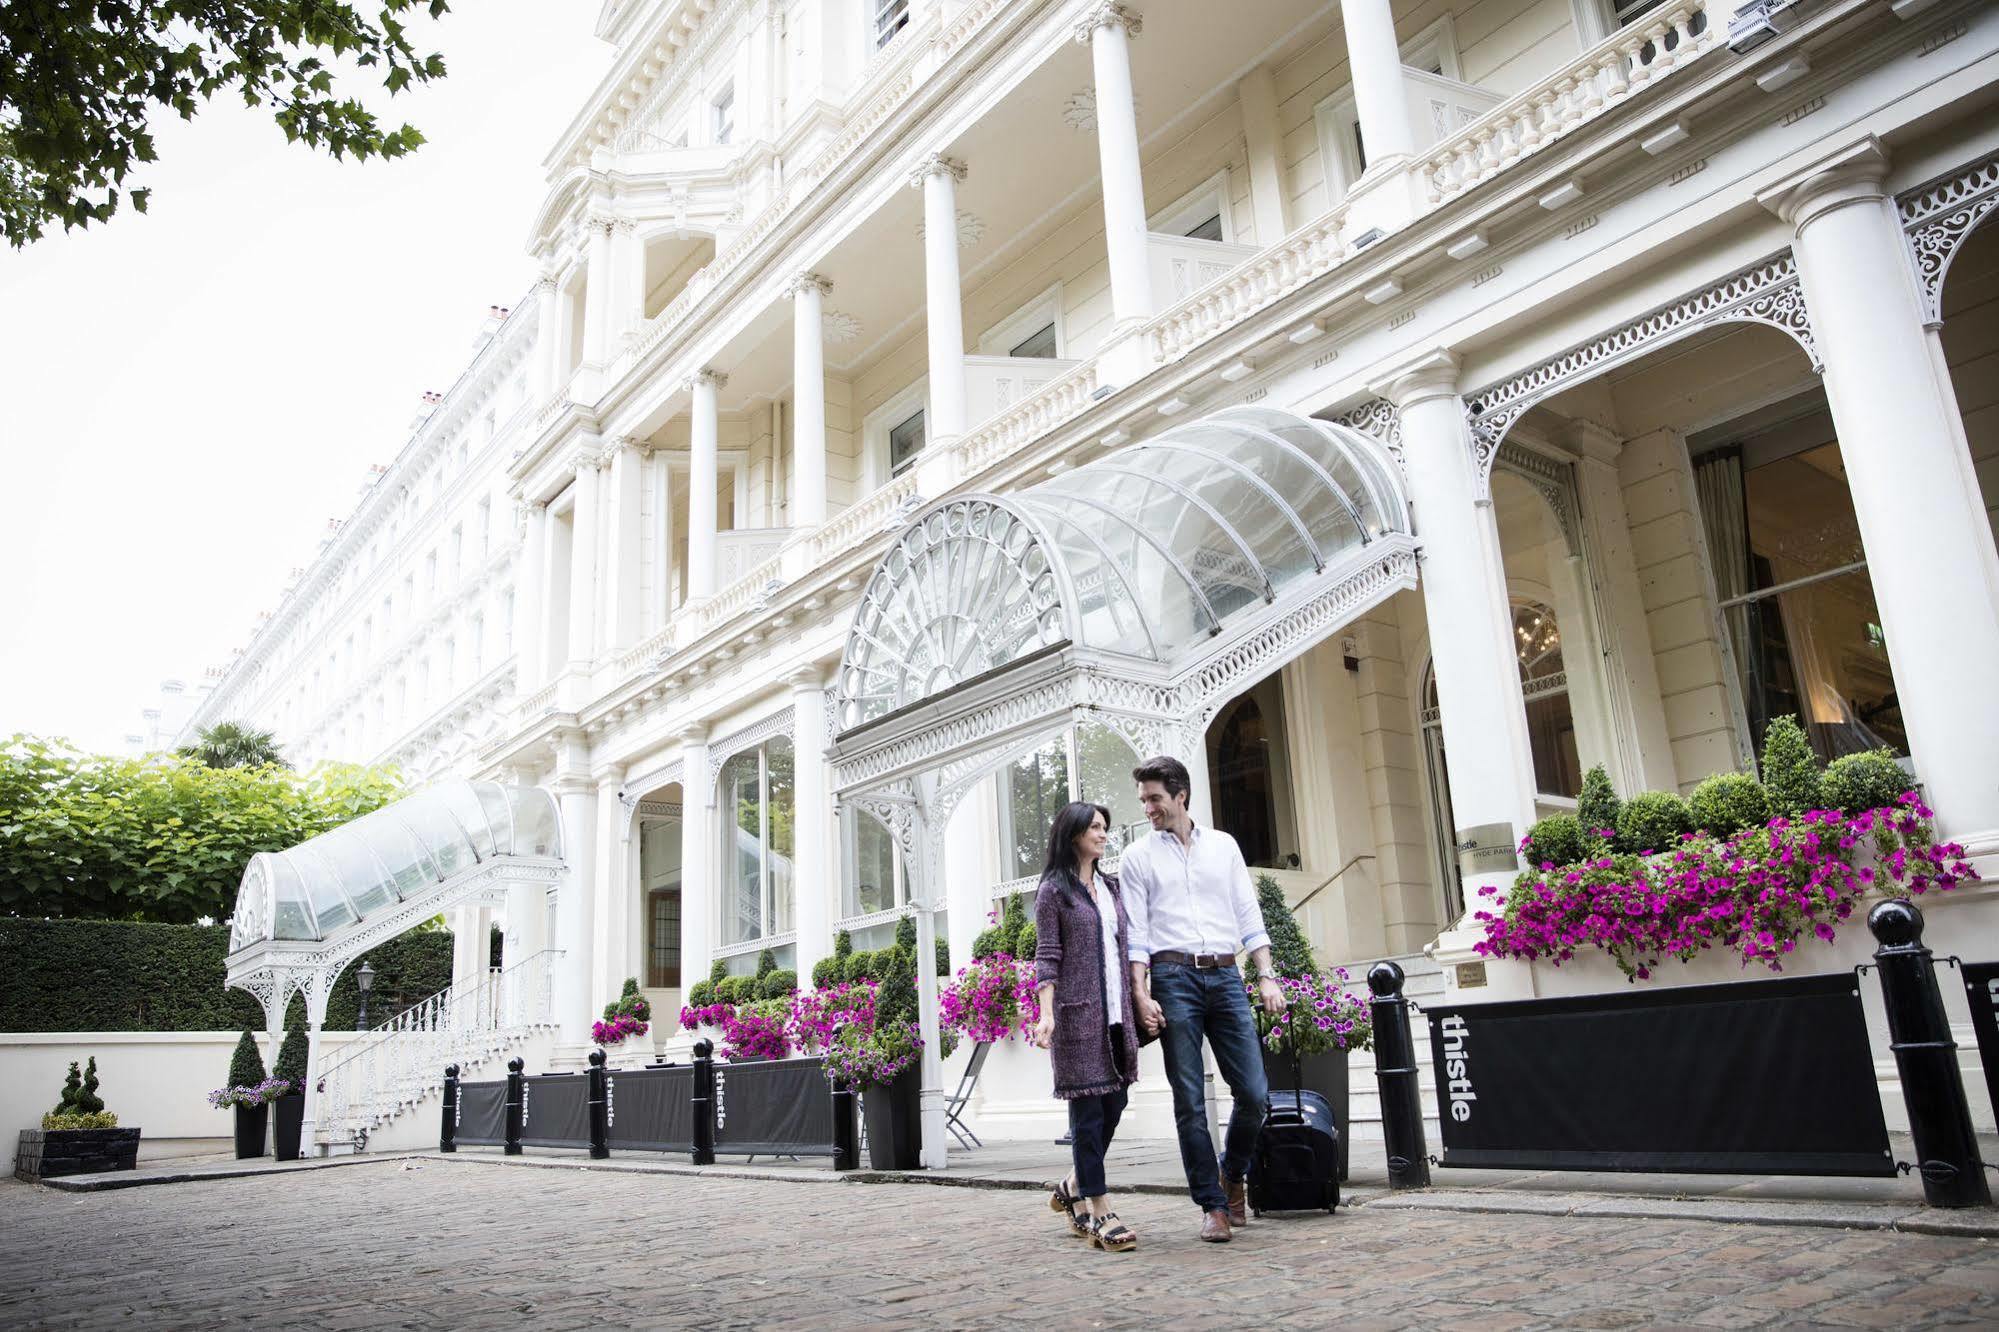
[
  {"x": 600, "y": 1115},
  {"x": 447, "y": 1136},
  {"x": 516, "y": 1104},
  {"x": 846, "y": 1130},
  {"x": 704, "y": 1102},
  {"x": 1926, "y": 1058},
  {"x": 1395, "y": 1071}
]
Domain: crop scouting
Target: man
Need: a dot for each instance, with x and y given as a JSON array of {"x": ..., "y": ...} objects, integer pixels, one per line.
[{"x": 1192, "y": 907}]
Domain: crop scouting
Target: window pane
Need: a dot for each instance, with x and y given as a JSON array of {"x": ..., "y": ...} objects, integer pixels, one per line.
[
  {"x": 1038, "y": 345},
  {"x": 1551, "y": 732},
  {"x": 1817, "y": 653},
  {"x": 1032, "y": 788},
  {"x": 1210, "y": 229},
  {"x": 905, "y": 441},
  {"x": 1103, "y": 770},
  {"x": 1800, "y": 517},
  {"x": 870, "y": 885},
  {"x": 891, "y": 16},
  {"x": 742, "y": 887},
  {"x": 779, "y": 763},
  {"x": 663, "y": 951}
]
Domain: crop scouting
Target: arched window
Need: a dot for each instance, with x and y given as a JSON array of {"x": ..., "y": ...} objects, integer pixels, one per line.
[
  {"x": 1551, "y": 733},
  {"x": 1241, "y": 781}
]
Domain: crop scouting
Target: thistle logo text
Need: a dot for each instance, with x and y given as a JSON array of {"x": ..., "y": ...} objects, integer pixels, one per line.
[{"x": 1457, "y": 1068}]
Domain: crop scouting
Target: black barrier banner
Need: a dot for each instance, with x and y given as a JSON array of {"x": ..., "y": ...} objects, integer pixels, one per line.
[
  {"x": 785, "y": 1105},
  {"x": 1756, "y": 1077},
  {"x": 1981, "y": 987},
  {"x": 482, "y": 1113},
  {"x": 651, "y": 1109},
  {"x": 555, "y": 1110}
]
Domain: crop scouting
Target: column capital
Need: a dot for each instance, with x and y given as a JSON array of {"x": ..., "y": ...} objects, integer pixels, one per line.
[
  {"x": 805, "y": 282},
  {"x": 1853, "y": 174},
  {"x": 1433, "y": 374},
  {"x": 714, "y": 379},
  {"x": 809, "y": 678},
  {"x": 694, "y": 733},
  {"x": 937, "y": 164},
  {"x": 599, "y": 222},
  {"x": 544, "y": 281},
  {"x": 587, "y": 460},
  {"x": 1109, "y": 15}
]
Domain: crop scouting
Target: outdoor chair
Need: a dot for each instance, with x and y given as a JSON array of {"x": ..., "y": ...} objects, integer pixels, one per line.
[{"x": 963, "y": 1096}]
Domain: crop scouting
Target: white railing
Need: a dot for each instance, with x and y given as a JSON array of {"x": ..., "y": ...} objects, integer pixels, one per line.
[
  {"x": 1579, "y": 92},
  {"x": 1020, "y": 425},
  {"x": 1182, "y": 265},
  {"x": 534, "y": 703},
  {"x": 740, "y": 551},
  {"x": 1440, "y": 107},
  {"x": 635, "y": 659},
  {"x": 738, "y": 596},
  {"x": 995, "y": 383},
  {"x": 867, "y": 518},
  {"x": 402, "y": 1061},
  {"x": 1309, "y": 252}
]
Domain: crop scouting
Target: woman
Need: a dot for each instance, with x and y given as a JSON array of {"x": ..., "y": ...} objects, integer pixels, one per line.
[{"x": 1081, "y": 932}]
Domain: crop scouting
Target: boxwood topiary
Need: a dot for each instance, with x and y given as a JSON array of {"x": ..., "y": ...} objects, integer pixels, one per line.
[
  {"x": 905, "y": 932},
  {"x": 292, "y": 1054},
  {"x": 843, "y": 945},
  {"x": 246, "y": 1066},
  {"x": 780, "y": 982},
  {"x": 719, "y": 972},
  {"x": 1556, "y": 840},
  {"x": 1790, "y": 769},
  {"x": 1854, "y": 783},
  {"x": 828, "y": 970},
  {"x": 1728, "y": 802},
  {"x": 856, "y": 967},
  {"x": 943, "y": 952},
  {"x": 1597, "y": 807},
  {"x": 1026, "y": 941},
  {"x": 701, "y": 994},
  {"x": 1653, "y": 821},
  {"x": 736, "y": 989},
  {"x": 990, "y": 941},
  {"x": 766, "y": 963}
]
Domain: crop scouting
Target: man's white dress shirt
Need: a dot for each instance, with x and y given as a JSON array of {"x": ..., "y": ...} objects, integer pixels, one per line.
[{"x": 1189, "y": 899}]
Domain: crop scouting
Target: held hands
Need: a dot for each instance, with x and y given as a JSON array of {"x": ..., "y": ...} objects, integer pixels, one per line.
[
  {"x": 1044, "y": 1028},
  {"x": 1150, "y": 1015},
  {"x": 1272, "y": 995}
]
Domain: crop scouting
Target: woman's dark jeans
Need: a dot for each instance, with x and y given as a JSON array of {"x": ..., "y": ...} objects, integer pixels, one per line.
[
  {"x": 1092, "y": 1122},
  {"x": 1210, "y": 1004}
]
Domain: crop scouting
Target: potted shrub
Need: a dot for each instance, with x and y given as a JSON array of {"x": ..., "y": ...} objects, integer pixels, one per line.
[
  {"x": 288, "y": 1110},
  {"x": 628, "y": 1018},
  {"x": 885, "y": 1066},
  {"x": 246, "y": 1071},
  {"x": 78, "y": 1137}
]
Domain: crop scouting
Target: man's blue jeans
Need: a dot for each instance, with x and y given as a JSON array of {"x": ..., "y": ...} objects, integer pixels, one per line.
[{"x": 1210, "y": 1004}]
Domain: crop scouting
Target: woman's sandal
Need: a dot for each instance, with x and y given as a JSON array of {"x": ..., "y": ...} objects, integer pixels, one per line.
[
  {"x": 1112, "y": 1235},
  {"x": 1060, "y": 1200}
]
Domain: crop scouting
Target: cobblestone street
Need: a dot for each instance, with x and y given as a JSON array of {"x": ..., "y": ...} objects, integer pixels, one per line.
[{"x": 472, "y": 1244}]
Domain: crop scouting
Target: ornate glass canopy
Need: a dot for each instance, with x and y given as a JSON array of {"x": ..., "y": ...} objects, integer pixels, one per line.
[
  {"x": 1145, "y": 554},
  {"x": 341, "y": 878}
]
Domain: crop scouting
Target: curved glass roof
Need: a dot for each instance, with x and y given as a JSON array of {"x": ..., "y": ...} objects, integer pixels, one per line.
[
  {"x": 340, "y": 878},
  {"x": 1142, "y": 553}
]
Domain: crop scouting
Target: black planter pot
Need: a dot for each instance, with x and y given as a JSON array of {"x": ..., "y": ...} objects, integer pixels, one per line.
[
  {"x": 895, "y": 1121},
  {"x": 288, "y": 1118},
  {"x": 51, "y": 1153},
  {"x": 250, "y": 1122},
  {"x": 1325, "y": 1074}
]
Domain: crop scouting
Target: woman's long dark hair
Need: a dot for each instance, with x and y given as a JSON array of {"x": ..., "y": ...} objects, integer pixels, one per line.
[{"x": 1071, "y": 822}]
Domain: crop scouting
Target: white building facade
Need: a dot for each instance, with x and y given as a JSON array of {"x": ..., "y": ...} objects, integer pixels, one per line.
[{"x": 1673, "y": 320}]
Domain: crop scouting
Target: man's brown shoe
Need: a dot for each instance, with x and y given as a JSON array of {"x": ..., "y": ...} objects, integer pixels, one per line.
[
  {"x": 1238, "y": 1192},
  {"x": 1215, "y": 1226}
]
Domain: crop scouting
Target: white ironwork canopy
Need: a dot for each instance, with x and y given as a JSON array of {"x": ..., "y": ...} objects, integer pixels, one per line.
[{"x": 1141, "y": 591}]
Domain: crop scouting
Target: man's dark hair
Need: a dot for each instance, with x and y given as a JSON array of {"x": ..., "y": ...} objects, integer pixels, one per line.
[{"x": 1168, "y": 772}]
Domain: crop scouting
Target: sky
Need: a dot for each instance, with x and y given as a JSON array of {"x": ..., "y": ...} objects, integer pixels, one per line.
[{"x": 187, "y": 395}]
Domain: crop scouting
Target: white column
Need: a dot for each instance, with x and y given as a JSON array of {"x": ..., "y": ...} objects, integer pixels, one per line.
[
  {"x": 1929, "y": 548},
  {"x": 583, "y": 565},
  {"x": 547, "y": 334},
  {"x": 701, "y": 484},
  {"x": 628, "y": 285},
  {"x": 610, "y": 892},
  {"x": 697, "y": 858},
  {"x": 815, "y": 880},
  {"x": 467, "y": 958},
  {"x": 1263, "y": 136},
  {"x": 938, "y": 178},
  {"x": 1381, "y": 99},
  {"x": 621, "y": 577},
  {"x": 971, "y": 866},
  {"x": 530, "y": 574},
  {"x": 1109, "y": 29},
  {"x": 808, "y": 407},
  {"x": 1471, "y": 624},
  {"x": 574, "y": 907},
  {"x": 599, "y": 293}
]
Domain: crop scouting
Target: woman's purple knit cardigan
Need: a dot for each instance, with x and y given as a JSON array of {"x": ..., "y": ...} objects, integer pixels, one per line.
[{"x": 1069, "y": 950}]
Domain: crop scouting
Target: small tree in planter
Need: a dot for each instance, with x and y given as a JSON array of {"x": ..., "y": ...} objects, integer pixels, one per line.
[
  {"x": 78, "y": 1137},
  {"x": 246, "y": 1073},
  {"x": 288, "y": 1110},
  {"x": 628, "y": 1016}
]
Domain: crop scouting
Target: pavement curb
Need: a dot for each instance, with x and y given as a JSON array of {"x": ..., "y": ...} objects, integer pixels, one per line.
[{"x": 124, "y": 1179}]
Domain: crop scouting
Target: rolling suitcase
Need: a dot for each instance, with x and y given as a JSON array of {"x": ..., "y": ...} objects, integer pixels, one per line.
[{"x": 1296, "y": 1166}]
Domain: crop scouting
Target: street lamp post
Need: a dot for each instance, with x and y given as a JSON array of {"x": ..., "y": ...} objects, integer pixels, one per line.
[{"x": 365, "y": 978}]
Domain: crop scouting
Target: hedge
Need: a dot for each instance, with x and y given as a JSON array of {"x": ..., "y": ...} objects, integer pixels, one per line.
[{"x": 113, "y": 975}]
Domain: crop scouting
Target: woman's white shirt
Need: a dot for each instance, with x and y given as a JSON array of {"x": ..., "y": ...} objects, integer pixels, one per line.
[{"x": 1113, "y": 964}]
